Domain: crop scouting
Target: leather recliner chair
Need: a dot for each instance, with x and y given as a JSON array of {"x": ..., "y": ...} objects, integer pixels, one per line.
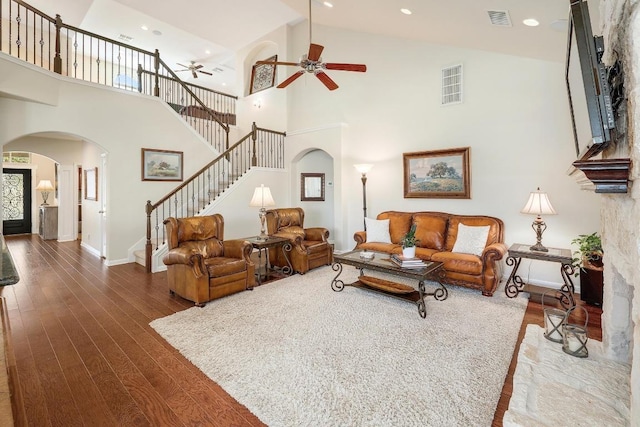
[
  {"x": 201, "y": 265},
  {"x": 309, "y": 246}
]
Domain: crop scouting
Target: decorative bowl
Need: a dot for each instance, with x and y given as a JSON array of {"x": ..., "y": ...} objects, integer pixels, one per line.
[{"x": 367, "y": 255}]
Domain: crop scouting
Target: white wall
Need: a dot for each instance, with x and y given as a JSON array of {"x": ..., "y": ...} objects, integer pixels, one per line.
[
  {"x": 120, "y": 124},
  {"x": 316, "y": 213},
  {"x": 515, "y": 118}
]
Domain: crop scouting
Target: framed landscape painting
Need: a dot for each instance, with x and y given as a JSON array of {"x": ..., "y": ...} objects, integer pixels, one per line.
[
  {"x": 441, "y": 174},
  {"x": 161, "y": 165}
]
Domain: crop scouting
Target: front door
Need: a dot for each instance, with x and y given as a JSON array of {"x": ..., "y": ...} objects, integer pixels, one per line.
[{"x": 16, "y": 201}]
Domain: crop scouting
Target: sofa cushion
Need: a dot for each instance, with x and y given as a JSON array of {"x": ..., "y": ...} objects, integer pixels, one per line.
[
  {"x": 377, "y": 230},
  {"x": 460, "y": 263},
  {"x": 430, "y": 230},
  {"x": 471, "y": 240},
  {"x": 399, "y": 224},
  {"x": 293, "y": 229},
  {"x": 388, "y": 248}
]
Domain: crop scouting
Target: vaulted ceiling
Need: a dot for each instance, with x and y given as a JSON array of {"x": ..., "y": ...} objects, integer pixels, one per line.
[{"x": 210, "y": 31}]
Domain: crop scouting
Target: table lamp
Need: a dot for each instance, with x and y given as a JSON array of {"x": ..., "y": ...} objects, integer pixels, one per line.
[
  {"x": 45, "y": 186},
  {"x": 261, "y": 199},
  {"x": 538, "y": 204}
]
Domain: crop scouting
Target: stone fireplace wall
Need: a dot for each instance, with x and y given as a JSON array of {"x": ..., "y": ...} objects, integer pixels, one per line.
[{"x": 620, "y": 25}]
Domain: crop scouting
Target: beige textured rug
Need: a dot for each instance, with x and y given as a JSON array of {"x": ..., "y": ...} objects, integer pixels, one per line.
[{"x": 296, "y": 353}]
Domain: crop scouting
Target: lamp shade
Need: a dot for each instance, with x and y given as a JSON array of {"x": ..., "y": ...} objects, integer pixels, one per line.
[
  {"x": 538, "y": 204},
  {"x": 262, "y": 197},
  {"x": 44, "y": 185},
  {"x": 363, "y": 168}
]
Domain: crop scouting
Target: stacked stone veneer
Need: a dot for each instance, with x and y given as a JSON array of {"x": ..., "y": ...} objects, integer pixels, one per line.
[
  {"x": 552, "y": 388},
  {"x": 620, "y": 23}
]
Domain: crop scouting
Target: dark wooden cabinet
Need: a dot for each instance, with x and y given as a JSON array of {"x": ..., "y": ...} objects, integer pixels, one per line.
[{"x": 591, "y": 283}]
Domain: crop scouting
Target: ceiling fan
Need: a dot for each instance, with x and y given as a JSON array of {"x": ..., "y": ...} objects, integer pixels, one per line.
[
  {"x": 194, "y": 69},
  {"x": 312, "y": 63}
]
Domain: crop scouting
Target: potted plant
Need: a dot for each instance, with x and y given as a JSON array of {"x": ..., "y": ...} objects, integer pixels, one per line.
[
  {"x": 589, "y": 267},
  {"x": 409, "y": 242}
]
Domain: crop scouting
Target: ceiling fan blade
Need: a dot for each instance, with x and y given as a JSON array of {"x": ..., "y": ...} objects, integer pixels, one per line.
[
  {"x": 290, "y": 80},
  {"x": 345, "y": 67},
  {"x": 315, "y": 50},
  {"x": 177, "y": 71},
  {"x": 205, "y": 72},
  {"x": 277, "y": 63},
  {"x": 330, "y": 84},
  {"x": 197, "y": 67},
  {"x": 193, "y": 72},
  {"x": 181, "y": 65}
]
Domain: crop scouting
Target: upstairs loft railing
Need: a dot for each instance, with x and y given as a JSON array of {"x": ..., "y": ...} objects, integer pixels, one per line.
[
  {"x": 31, "y": 35},
  {"x": 260, "y": 147}
]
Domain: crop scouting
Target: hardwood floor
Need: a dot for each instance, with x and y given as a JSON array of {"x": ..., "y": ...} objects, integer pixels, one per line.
[{"x": 81, "y": 351}]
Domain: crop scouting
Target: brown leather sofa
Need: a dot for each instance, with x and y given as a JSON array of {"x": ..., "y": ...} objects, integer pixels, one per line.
[
  {"x": 201, "y": 265},
  {"x": 309, "y": 246},
  {"x": 437, "y": 233}
]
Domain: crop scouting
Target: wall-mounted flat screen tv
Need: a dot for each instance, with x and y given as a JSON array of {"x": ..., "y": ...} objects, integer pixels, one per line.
[{"x": 586, "y": 77}]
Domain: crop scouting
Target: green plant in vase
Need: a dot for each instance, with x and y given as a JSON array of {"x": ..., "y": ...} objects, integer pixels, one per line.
[
  {"x": 409, "y": 243},
  {"x": 589, "y": 251}
]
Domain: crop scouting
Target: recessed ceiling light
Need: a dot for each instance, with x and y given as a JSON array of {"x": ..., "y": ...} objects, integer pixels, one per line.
[
  {"x": 559, "y": 25},
  {"x": 531, "y": 22},
  {"x": 207, "y": 51},
  {"x": 144, "y": 27},
  {"x": 406, "y": 11},
  {"x": 157, "y": 33},
  {"x": 326, "y": 3}
]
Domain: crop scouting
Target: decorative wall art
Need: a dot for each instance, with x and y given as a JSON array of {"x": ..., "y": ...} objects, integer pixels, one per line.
[
  {"x": 312, "y": 187},
  {"x": 441, "y": 174},
  {"x": 263, "y": 76},
  {"x": 91, "y": 184},
  {"x": 161, "y": 165}
]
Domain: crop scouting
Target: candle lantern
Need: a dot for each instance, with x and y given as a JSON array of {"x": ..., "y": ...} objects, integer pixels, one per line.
[
  {"x": 574, "y": 337},
  {"x": 554, "y": 318}
]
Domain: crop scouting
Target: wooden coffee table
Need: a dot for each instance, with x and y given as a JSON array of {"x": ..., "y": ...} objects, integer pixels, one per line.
[{"x": 381, "y": 262}]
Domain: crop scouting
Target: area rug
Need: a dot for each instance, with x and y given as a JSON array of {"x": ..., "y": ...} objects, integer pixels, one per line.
[{"x": 296, "y": 353}]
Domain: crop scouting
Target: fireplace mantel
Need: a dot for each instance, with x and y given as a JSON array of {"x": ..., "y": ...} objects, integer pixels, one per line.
[{"x": 606, "y": 175}]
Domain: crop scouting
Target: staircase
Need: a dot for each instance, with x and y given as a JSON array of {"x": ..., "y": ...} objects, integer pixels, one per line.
[{"x": 30, "y": 35}]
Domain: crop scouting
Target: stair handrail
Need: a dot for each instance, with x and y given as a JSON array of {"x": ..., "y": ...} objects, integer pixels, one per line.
[{"x": 150, "y": 208}]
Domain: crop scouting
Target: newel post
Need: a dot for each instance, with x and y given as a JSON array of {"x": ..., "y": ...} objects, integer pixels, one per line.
[
  {"x": 147, "y": 247},
  {"x": 57, "y": 59},
  {"x": 254, "y": 137},
  {"x": 156, "y": 66}
]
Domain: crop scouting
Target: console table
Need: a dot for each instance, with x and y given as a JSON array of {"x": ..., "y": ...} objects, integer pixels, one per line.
[{"x": 515, "y": 284}]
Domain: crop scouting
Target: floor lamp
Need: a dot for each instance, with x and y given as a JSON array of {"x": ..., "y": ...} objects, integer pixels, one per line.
[{"x": 363, "y": 168}]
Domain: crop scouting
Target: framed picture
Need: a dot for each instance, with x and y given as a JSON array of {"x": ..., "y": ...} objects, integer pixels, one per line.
[
  {"x": 441, "y": 174},
  {"x": 91, "y": 184},
  {"x": 312, "y": 187},
  {"x": 161, "y": 165},
  {"x": 263, "y": 76}
]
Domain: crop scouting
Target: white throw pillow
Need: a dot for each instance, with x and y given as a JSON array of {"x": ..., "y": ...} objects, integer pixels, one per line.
[
  {"x": 377, "y": 230},
  {"x": 471, "y": 240}
]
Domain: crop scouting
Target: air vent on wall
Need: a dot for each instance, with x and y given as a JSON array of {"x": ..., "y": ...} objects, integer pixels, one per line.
[
  {"x": 452, "y": 85},
  {"x": 499, "y": 18}
]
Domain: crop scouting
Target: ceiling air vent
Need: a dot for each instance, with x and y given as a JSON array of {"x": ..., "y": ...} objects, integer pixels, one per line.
[
  {"x": 452, "y": 85},
  {"x": 499, "y": 18},
  {"x": 125, "y": 38}
]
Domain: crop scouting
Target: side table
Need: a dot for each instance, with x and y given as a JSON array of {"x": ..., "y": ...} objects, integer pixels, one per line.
[
  {"x": 515, "y": 284},
  {"x": 263, "y": 247}
]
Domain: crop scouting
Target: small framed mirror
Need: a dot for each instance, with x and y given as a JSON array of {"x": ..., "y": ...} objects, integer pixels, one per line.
[{"x": 312, "y": 187}]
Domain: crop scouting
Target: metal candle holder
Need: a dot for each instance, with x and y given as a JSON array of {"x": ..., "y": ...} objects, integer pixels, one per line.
[
  {"x": 575, "y": 337},
  {"x": 554, "y": 318}
]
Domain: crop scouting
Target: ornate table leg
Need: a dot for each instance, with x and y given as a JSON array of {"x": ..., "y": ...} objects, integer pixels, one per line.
[
  {"x": 566, "y": 293},
  {"x": 422, "y": 307},
  {"x": 514, "y": 284},
  {"x": 336, "y": 284},
  {"x": 288, "y": 270}
]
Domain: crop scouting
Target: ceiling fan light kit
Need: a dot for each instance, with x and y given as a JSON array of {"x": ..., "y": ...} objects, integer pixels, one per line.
[{"x": 312, "y": 63}]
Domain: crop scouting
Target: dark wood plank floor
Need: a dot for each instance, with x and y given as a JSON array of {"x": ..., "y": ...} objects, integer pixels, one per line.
[{"x": 81, "y": 351}]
